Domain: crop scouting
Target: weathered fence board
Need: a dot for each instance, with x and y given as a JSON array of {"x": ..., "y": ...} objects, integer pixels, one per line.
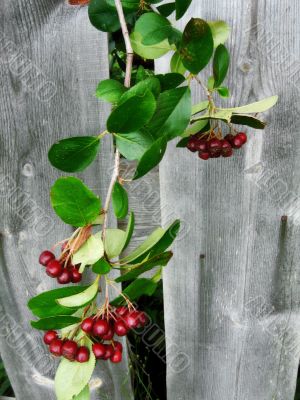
[{"x": 232, "y": 291}]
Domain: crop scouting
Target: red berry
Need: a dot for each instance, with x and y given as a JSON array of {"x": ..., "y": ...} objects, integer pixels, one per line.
[
  {"x": 116, "y": 357},
  {"x": 109, "y": 351},
  {"x": 229, "y": 138},
  {"x": 214, "y": 147},
  {"x": 87, "y": 325},
  {"x": 45, "y": 257},
  {"x": 120, "y": 328},
  {"x": 76, "y": 276},
  {"x": 202, "y": 145},
  {"x": 132, "y": 319},
  {"x": 83, "y": 354},
  {"x": 56, "y": 347},
  {"x": 226, "y": 149},
  {"x": 49, "y": 336},
  {"x": 192, "y": 144},
  {"x": 65, "y": 277},
  {"x": 237, "y": 142},
  {"x": 100, "y": 328},
  {"x": 69, "y": 349},
  {"x": 121, "y": 311},
  {"x": 243, "y": 137},
  {"x": 118, "y": 346},
  {"x": 143, "y": 319},
  {"x": 54, "y": 269},
  {"x": 109, "y": 335},
  {"x": 204, "y": 155},
  {"x": 99, "y": 350}
]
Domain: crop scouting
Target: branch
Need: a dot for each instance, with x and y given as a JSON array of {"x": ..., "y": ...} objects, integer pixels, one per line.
[{"x": 127, "y": 81}]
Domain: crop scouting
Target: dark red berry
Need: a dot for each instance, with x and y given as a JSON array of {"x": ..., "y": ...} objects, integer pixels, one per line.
[
  {"x": 120, "y": 328},
  {"x": 116, "y": 357},
  {"x": 118, "y": 346},
  {"x": 237, "y": 142},
  {"x": 121, "y": 311},
  {"x": 99, "y": 350},
  {"x": 214, "y": 147},
  {"x": 83, "y": 354},
  {"x": 69, "y": 349},
  {"x": 202, "y": 145},
  {"x": 109, "y": 335},
  {"x": 132, "y": 319},
  {"x": 50, "y": 336},
  {"x": 109, "y": 351},
  {"x": 87, "y": 325},
  {"x": 65, "y": 277},
  {"x": 100, "y": 328},
  {"x": 76, "y": 276},
  {"x": 56, "y": 347},
  {"x": 204, "y": 155},
  {"x": 45, "y": 257},
  {"x": 229, "y": 138},
  {"x": 54, "y": 269},
  {"x": 226, "y": 149},
  {"x": 192, "y": 144},
  {"x": 243, "y": 137},
  {"x": 143, "y": 319}
]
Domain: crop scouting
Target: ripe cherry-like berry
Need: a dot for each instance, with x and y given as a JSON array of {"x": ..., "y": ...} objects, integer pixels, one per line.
[
  {"x": 69, "y": 349},
  {"x": 45, "y": 257},
  {"x": 100, "y": 328},
  {"x": 118, "y": 346},
  {"x": 132, "y": 319},
  {"x": 237, "y": 142},
  {"x": 87, "y": 325},
  {"x": 65, "y": 277},
  {"x": 109, "y": 335},
  {"x": 243, "y": 137},
  {"x": 76, "y": 276},
  {"x": 120, "y": 328},
  {"x": 214, "y": 147},
  {"x": 83, "y": 354},
  {"x": 99, "y": 350},
  {"x": 192, "y": 144},
  {"x": 56, "y": 347},
  {"x": 54, "y": 269},
  {"x": 121, "y": 311},
  {"x": 204, "y": 155},
  {"x": 109, "y": 351},
  {"x": 116, "y": 357},
  {"x": 143, "y": 318},
  {"x": 202, "y": 145},
  {"x": 226, "y": 149},
  {"x": 229, "y": 137},
  {"x": 49, "y": 337}
]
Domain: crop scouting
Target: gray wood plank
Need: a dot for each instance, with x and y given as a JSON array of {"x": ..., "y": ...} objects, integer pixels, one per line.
[
  {"x": 234, "y": 311},
  {"x": 51, "y": 62}
]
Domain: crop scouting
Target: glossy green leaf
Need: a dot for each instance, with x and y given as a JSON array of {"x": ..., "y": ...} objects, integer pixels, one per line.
[
  {"x": 203, "y": 105},
  {"x": 153, "y": 28},
  {"x": 248, "y": 120},
  {"x": 101, "y": 267},
  {"x": 195, "y": 128},
  {"x": 133, "y": 145},
  {"x": 166, "y": 9},
  {"x": 223, "y": 91},
  {"x": 151, "y": 158},
  {"x": 170, "y": 81},
  {"x": 129, "y": 230},
  {"x": 80, "y": 299},
  {"x": 120, "y": 201},
  {"x": 90, "y": 252},
  {"x": 220, "y": 31},
  {"x": 165, "y": 241},
  {"x": 173, "y": 113},
  {"x": 122, "y": 120},
  {"x": 257, "y": 107},
  {"x": 74, "y": 202},
  {"x": 132, "y": 5},
  {"x": 57, "y": 322},
  {"x": 110, "y": 90},
  {"x": 181, "y": 7},
  {"x": 114, "y": 242},
  {"x": 149, "y": 52},
  {"x": 221, "y": 114},
  {"x": 136, "y": 289},
  {"x": 45, "y": 305},
  {"x": 84, "y": 394},
  {"x": 72, "y": 377},
  {"x": 152, "y": 84},
  {"x": 176, "y": 64},
  {"x": 220, "y": 65},
  {"x": 197, "y": 45},
  {"x": 103, "y": 16},
  {"x": 74, "y": 154},
  {"x": 148, "y": 265},
  {"x": 183, "y": 142}
]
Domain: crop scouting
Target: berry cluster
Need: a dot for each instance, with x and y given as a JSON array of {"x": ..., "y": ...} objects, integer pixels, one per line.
[
  {"x": 65, "y": 272},
  {"x": 66, "y": 348},
  {"x": 215, "y": 148}
]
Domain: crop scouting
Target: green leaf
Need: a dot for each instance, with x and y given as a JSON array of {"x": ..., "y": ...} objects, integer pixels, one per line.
[
  {"x": 57, "y": 322},
  {"x": 74, "y": 154},
  {"x": 136, "y": 289},
  {"x": 84, "y": 394},
  {"x": 103, "y": 16},
  {"x": 81, "y": 299},
  {"x": 129, "y": 230},
  {"x": 173, "y": 113},
  {"x": 220, "y": 31},
  {"x": 73, "y": 377},
  {"x": 153, "y": 28},
  {"x": 183, "y": 142},
  {"x": 90, "y": 252},
  {"x": 223, "y": 91},
  {"x": 170, "y": 81},
  {"x": 120, "y": 201},
  {"x": 114, "y": 242},
  {"x": 137, "y": 270},
  {"x": 257, "y": 107},
  {"x": 176, "y": 64},
  {"x": 110, "y": 90},
  {"x": 132, "y": 114},
  {"x": 197, "y": 45},
  {"x": 220, "y": 64},
  {"x": 45, "y": 305},
  {"x": 149, "y": 52},
  {"x": 166, "y": 9},
  {"x": 203, "y": 105},
  {"x": 181, "y": 7},
  {"x": 102, "y": 267},
  {"x": 151, "y": 157},
  {"x": 133, "y": 145},
  {"x": 152, "y": 84},
  {"x": 248, "y": 120},
  {"x": 73, "y": 202},
  {"x": 195, "y": 128},
  {"x": 222, "y": 114},
  {"x": 132, "y": 5},
  {"x": 210, "y": 83}
]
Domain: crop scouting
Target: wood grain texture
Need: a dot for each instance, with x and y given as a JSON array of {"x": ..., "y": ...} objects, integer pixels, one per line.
[
  {"x": 51, "y": 62},
  {"x": 232, "y": 291}
]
